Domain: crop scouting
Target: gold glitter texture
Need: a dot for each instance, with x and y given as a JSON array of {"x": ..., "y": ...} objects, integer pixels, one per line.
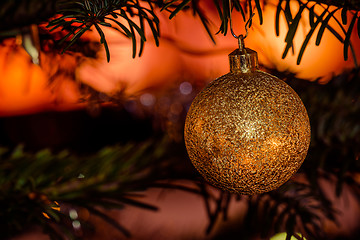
[{"x": 247, "y": 133}]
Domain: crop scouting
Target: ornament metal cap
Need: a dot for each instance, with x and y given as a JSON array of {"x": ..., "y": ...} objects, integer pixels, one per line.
[{"x": 243, "y": 60}]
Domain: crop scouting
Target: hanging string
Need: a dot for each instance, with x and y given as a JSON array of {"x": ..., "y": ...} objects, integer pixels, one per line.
[{"x": 239, "y": 37}]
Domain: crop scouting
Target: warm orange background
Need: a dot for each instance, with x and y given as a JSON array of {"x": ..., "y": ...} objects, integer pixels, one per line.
[{"x": 185, "y": 53}]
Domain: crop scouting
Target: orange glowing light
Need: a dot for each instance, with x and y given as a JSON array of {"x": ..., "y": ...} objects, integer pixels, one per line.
[
  {"x": 321, "y": 61},
  {"x": 25, "y": 87},
  {"x": 22, "y": 84}
]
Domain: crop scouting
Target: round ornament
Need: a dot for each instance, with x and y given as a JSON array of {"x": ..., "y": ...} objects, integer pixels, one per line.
[{"x": 247, "y": 132}]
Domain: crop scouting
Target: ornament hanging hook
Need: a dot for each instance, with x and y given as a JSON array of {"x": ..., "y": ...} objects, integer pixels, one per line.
[{"x": 239, "y": 37}]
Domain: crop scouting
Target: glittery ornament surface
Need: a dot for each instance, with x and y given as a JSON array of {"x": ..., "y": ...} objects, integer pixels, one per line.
[{"x": 247, "y": 133}]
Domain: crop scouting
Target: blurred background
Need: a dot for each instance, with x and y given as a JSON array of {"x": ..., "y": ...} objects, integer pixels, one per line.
[{"x": 135, "y": 109}]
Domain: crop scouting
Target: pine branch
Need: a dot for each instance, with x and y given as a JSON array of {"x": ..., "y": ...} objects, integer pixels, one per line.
[
  {"x": 316, "y": 20},
  {"x": 78, "y": 16},
  {"x": 33, "y": 185},
  {"x": 75, "y": 17},
  {"x": 349, "y": 4}
]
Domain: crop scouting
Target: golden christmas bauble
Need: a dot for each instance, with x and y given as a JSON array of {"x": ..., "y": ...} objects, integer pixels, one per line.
[{"x": 247, "y": 132}]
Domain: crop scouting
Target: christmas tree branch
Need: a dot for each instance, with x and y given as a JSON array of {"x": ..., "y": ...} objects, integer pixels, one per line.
[
  {"x": 75, "y": 17},
  {"x": 348, "y": 4},
  {"x": 37, "y": 185}
]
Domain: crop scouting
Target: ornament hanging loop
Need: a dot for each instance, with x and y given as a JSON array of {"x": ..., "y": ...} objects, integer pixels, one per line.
[{"x": 240, "y": 37}]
